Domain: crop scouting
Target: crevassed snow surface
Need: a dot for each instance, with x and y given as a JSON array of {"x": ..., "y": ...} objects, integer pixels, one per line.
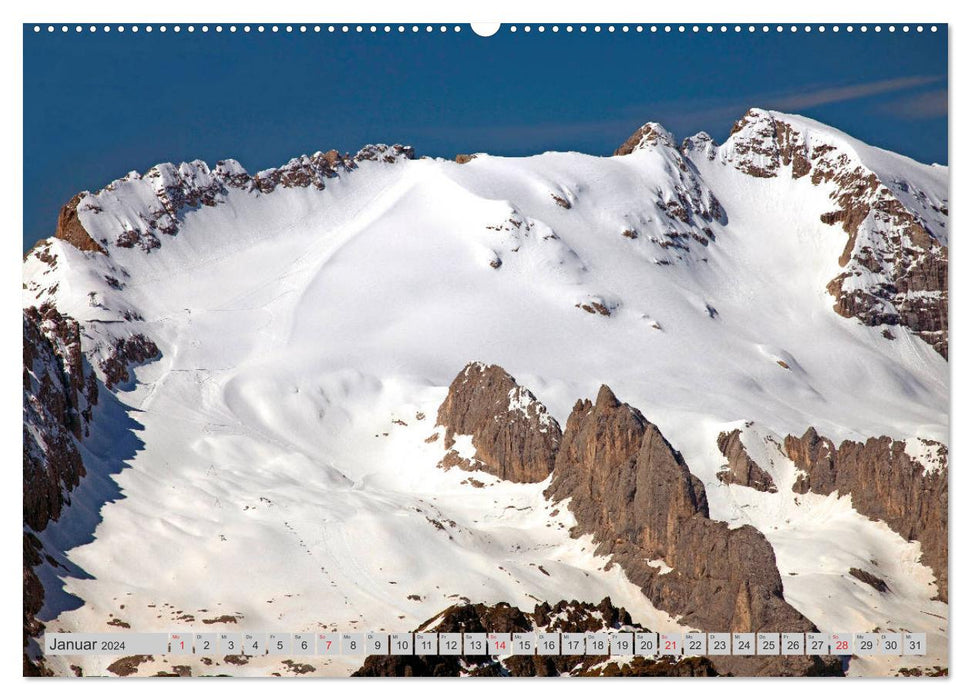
[{"x": 300, "y": 329}]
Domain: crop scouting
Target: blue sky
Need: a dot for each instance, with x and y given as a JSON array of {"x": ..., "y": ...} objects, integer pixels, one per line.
[{"x": 98, "y": 105}]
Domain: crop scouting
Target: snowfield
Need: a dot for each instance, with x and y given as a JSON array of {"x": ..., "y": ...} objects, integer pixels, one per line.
[{"x": 277, "y": 463}]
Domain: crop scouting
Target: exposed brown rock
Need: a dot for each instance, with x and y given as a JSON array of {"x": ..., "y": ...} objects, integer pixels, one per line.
[
  {"x": 514, "y": 436},
  {"x": 453, "y": 459},
  {"x": 936, "y": 672},
  {"x": 70, "y": 229},
  {"x": 221, "y": 618},
  {"x": 463, "y": 158},
  {"x": 629, "y": 488},
  {"x": 701, "y": 143},
  {"x": 134, "y": 350},
  {"x": 59, "y": 391},
  {"x": 885, "y": 483},
  {"x": 297, "y": 669},
  {"x": 563, "y": 617},
  {"x": 385, "y": 153},
  {"x": 741, "y": 469},
  {"x": 641, "y": 667},
  {"x": 595, "y": 307},
  {"x": 33, "y": 601},
  {"x": 179, "y": 671},
  {"x": 187, "y": 186},
  {"x": 650, "y": 134},
  {"x": 690, "y": 203},
  {"x": 871, "y": 580},
  {"x": 887, "y": 243},
  {"x": 128, "y": 665}
]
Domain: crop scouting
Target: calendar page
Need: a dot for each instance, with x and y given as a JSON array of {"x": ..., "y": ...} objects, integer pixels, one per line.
[{"x": 520, "y": 349}]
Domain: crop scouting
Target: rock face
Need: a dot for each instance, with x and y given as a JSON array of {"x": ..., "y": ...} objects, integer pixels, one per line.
[
  {"x": 561, "y": 617},
  {"x": 173, "y": 189},
  {"x": 877, "y": 583},
  {"x": 629, "y": 488},
  {"x": 688, "y": 206},
  {"x": 59, "y": 390},
  {"x": 895, "y": 259},
  {"x": 650, "y": 134},
  {"x": 33, "y": 602},
  {"x": 886, "y": 482},
  {"x": 69, "y": 228},
  {"x": 741, "y": 468},
  {"x": 513, "y": 434},
  {"x": 134, "y": 350}
]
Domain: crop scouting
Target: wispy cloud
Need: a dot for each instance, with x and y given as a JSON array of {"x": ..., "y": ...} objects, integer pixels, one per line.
[
  {"x": 686, "y": 116},
  {"x": 923, "y": 105},
  {"x": 804, "y": 98},
  {"x": 847, "y": 93}
]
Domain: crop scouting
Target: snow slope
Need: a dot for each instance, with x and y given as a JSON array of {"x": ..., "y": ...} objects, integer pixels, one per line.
[{"x": 308, "y": 336}]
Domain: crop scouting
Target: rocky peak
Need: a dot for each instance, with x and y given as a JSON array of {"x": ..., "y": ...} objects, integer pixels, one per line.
[
  {"x": 513, "y": 435},
  {"x": 759, "y": 145},
  {"x": 700, "y": 144},
  {"x": 153, "y": 203},
  {"x": 70, "y": 229},
  {"x": 385, "y": 153},
  {"x": 741, "y": 468},
  {"x": 895, "y": 258},
  {"x": 650, "y": 135},
  {"x": 607, "y": 432},
  {"x": 623, "y": 476},
  {"x": 687, "y": 207},
  {"x": 628, "y": 487}
]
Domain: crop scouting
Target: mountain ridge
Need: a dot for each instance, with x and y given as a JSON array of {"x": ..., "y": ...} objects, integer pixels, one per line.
[{"x": 287, "y": 341}]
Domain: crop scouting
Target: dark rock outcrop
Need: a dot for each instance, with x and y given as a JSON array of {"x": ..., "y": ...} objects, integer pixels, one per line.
[
  {"x": 128, "y": 665},
  {"x": 561, "y": 617},
  {"x": 70, "y": 229},
  {"x": 59, "y": 391},
  {"x": 181, "y": 188},
  {"x": 650, "y": 134},
  {"x": 885, "y": 483},
  {"x": 686, "y": 205},
  {"x": 875, "y": 582},
  {"x": 126, "y": 353},
  {"x": 629, "y": 488},
  {"x": 514, "y": 436},
  {"x": 32, "y": 603},
  {"x": 741, "y": 468}
]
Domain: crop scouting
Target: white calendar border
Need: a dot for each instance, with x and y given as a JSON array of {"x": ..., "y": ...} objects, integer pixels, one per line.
[{"x": 437, "y": 11}]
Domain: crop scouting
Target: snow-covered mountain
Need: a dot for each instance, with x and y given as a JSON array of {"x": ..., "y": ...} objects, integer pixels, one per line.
[{"x": 342, "y": 394}]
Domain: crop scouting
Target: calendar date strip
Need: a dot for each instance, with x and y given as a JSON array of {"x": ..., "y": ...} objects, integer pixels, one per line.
[{"x": 614, "y": 643}]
